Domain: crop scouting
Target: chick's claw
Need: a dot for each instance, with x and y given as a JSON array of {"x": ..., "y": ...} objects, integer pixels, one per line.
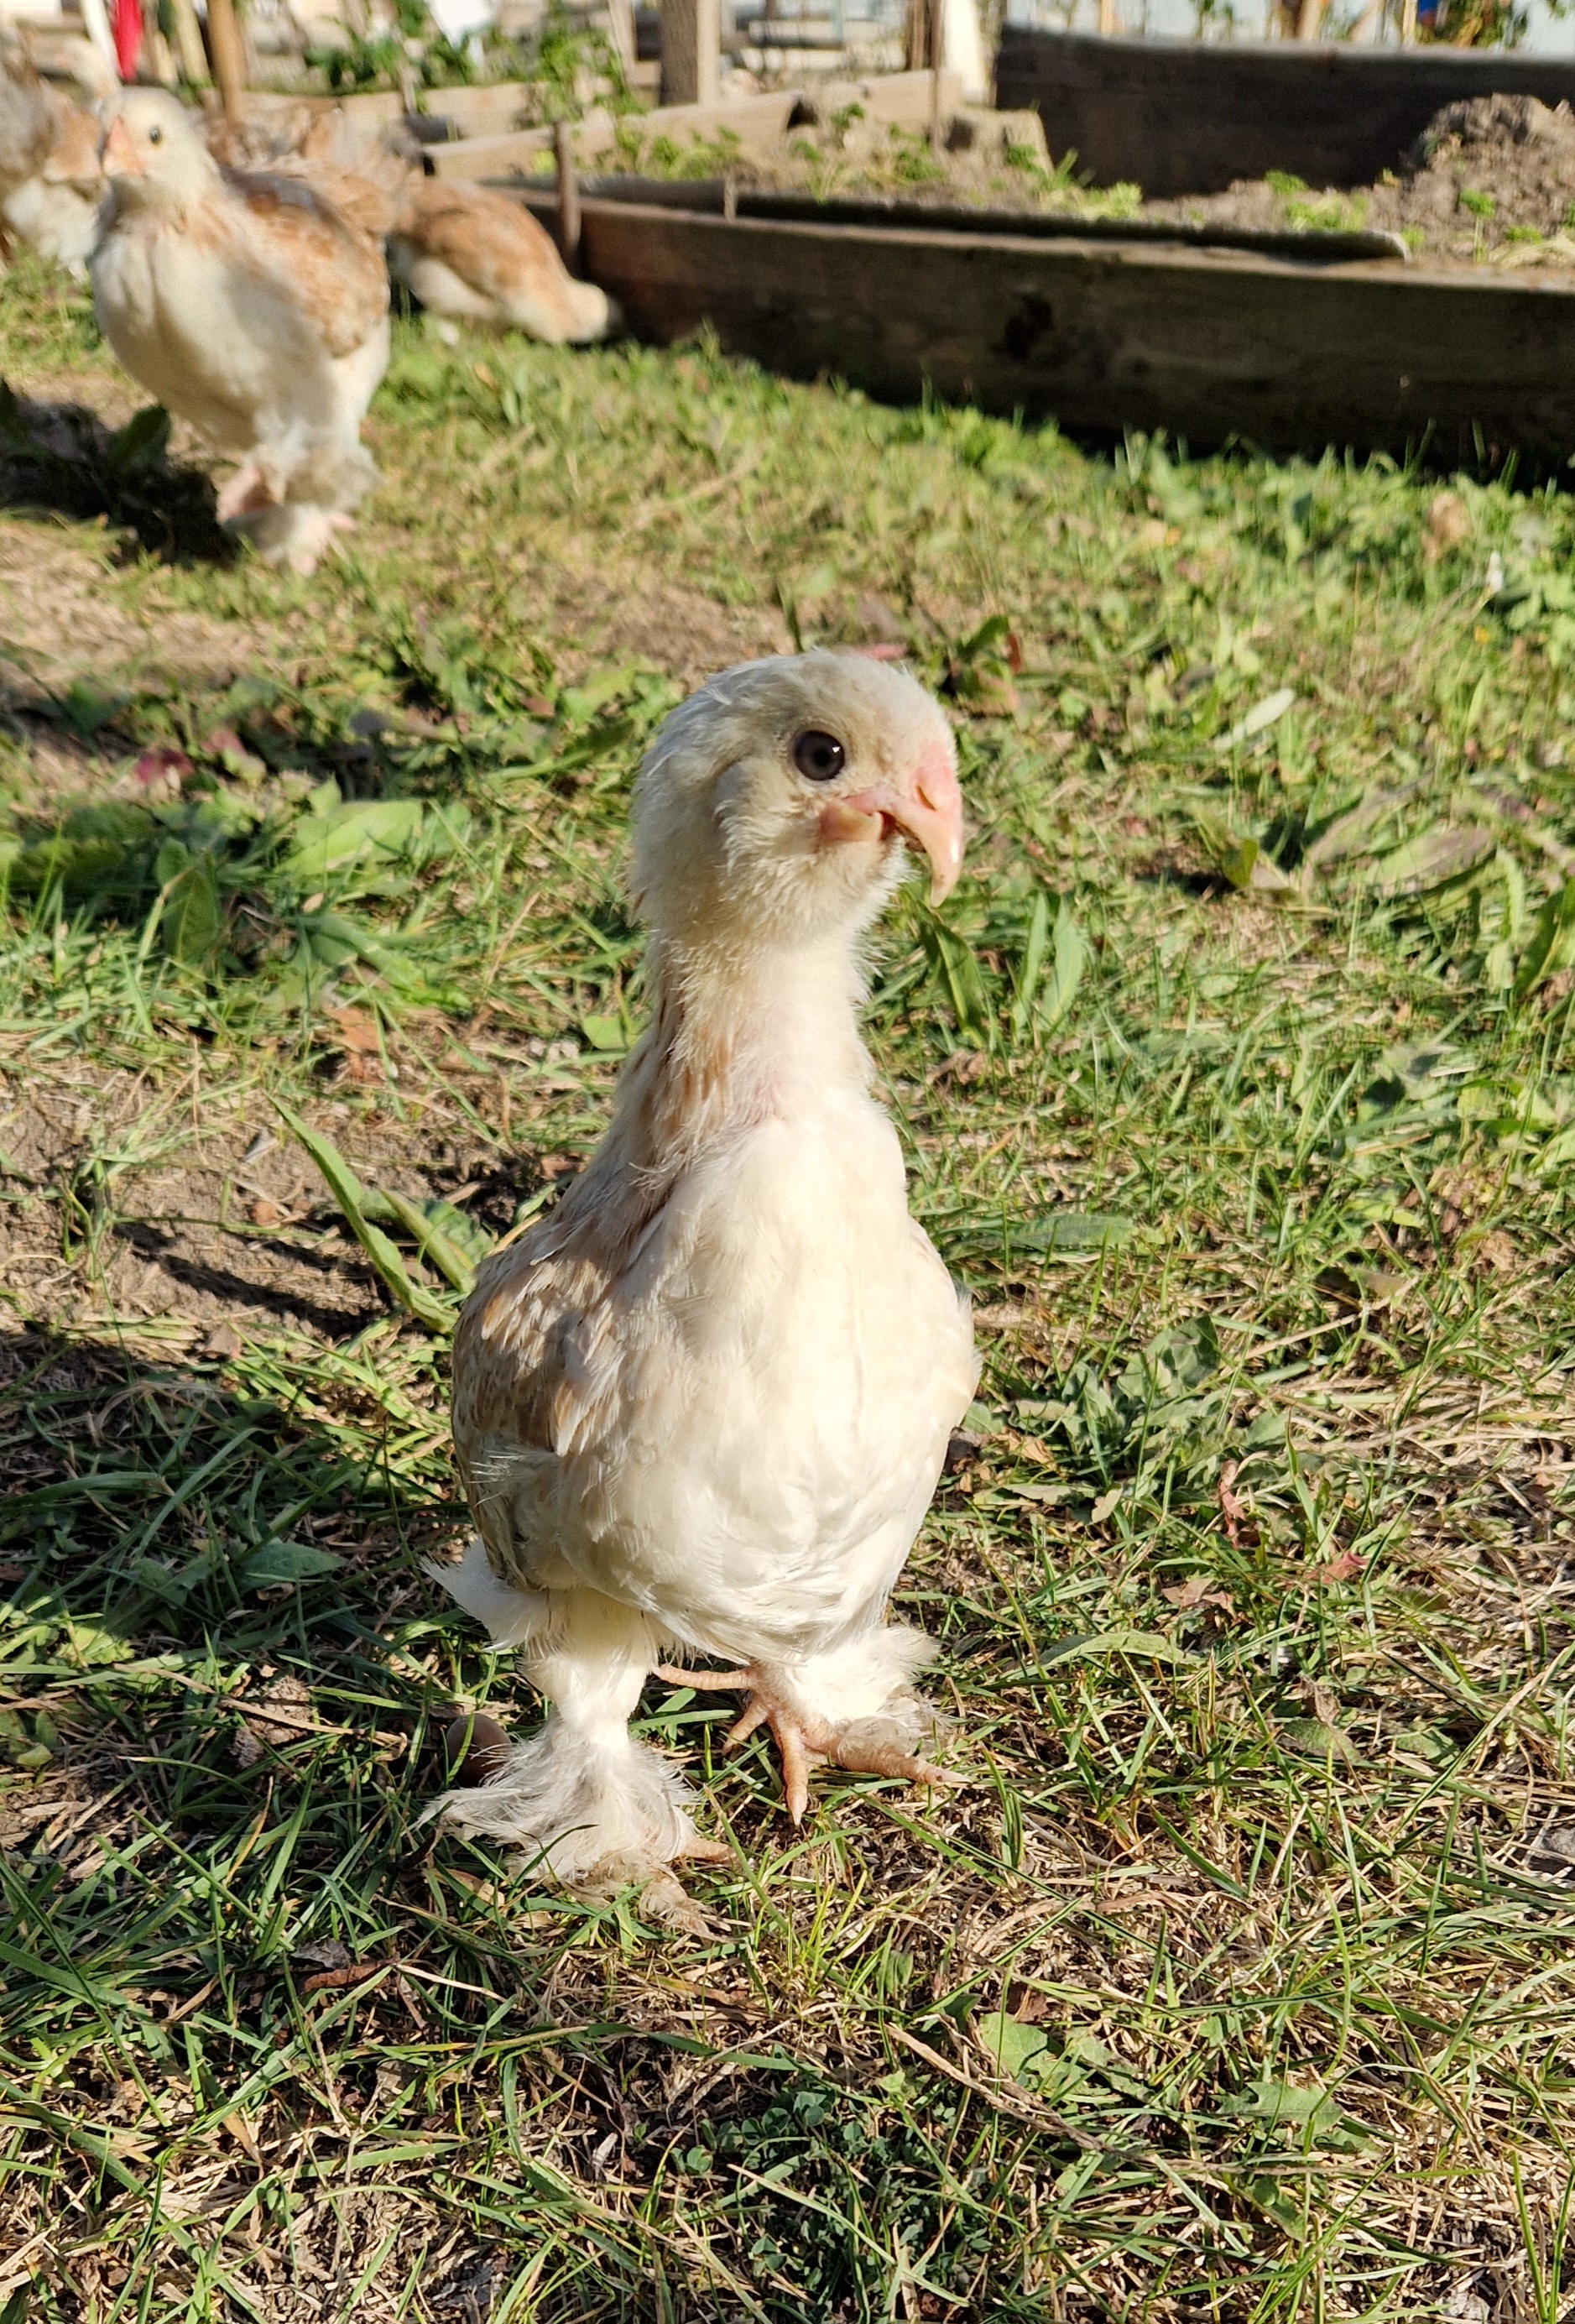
[{"x": 803, "y": 1744}]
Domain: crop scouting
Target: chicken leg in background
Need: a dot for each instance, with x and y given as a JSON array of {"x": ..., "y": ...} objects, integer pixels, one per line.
[
  {"x": 252, "y": 308},
  {"x": 700, "y": 1410}
]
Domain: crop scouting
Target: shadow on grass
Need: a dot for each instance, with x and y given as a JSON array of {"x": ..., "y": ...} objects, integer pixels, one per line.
[{"x": 61, "y": 457}]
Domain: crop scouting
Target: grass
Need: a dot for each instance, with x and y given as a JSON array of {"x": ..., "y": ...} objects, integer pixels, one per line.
[{"x": 1238, "y": 1078}]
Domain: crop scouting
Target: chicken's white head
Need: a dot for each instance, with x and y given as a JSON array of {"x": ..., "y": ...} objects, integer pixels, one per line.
[
  {"x": 153, "y": 151},
  {"x": 777, "y": 801}
]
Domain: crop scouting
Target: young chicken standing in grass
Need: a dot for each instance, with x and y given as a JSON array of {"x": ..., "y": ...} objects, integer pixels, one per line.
[
  {"x": 701, "y": 1410},
  {"x": 252, "y": 308}
]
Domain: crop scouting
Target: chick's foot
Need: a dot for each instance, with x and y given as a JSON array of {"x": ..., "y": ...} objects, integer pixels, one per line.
[{"x": 864, "y": 1747}]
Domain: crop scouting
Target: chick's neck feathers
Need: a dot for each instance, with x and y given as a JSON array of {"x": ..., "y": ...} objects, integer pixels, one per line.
[{"x": 740, "y": 1033}]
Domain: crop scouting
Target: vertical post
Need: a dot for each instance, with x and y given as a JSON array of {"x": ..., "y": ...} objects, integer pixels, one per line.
[
  {"x": 1407, "y": 23},
  {"x": 189, "y": 42},
  {"x": 691, "y": 51},
  {"x": 621, "y": 33},
  {"x": 96, "y": 23},
  {"x": 568, "y": 194},
  {"x": 933, "y": 42},
  {"x": 1107, "y": 17},
  {"x": 224, "y": 38}
]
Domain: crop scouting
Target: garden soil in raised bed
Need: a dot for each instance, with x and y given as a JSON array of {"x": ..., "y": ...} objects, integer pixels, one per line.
[{"x": 1490, "y": 183}]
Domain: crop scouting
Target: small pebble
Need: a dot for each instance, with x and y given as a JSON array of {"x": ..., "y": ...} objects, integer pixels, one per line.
[{"x": 475, "y": 1748}]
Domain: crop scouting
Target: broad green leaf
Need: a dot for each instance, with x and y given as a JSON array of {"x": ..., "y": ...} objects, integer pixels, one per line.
[
  {"x": 1258, "y": 719},
  {"x": 1313, "y": 1738},
  {"x": 141, "y": 443},
  {"x": 193, "y": 916},
  {"x": 1552, "y": 945},
  {"x": 1013, "y": 2046},
  {"x": 82, "y": 866},
  {"x": 361, "y": 831},
  {"x": 286, "y": 1561},
  {"x": 1345, "y": 833},
  {"x": 388, "y": 1267},
  {"x": 1312, "y": 2113},
  {"x": 1066, "y": 968},
  {"x": 1149, "y": 1645},
  {"x": 604, "y": 1033},
  {"x": 433, "y": 1242},
  {"x": 1433, "y": 859},
  {"x": 1033, "y": 962}
]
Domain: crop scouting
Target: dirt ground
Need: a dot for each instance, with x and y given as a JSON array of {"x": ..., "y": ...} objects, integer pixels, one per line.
[{"x": 1490, "y": 180}]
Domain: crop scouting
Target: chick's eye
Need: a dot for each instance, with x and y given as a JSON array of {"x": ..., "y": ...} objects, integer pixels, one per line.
[
  {"x": 155, "y": 137},
  {"x": 819, "y": 756}
]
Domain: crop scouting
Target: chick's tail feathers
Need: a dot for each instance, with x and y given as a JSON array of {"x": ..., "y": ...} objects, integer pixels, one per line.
[
  {"x": 509, "y": 1617},
  {"x": 595, "y": 1807}
]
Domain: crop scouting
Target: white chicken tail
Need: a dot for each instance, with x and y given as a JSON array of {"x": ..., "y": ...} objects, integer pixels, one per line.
[
  {"x": 595, "y": 1807},
  {"x": 509, "y": 1617}
]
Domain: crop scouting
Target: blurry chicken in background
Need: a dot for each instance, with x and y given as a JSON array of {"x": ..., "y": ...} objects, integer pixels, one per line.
[
  {"x": 361, "y": 172},
  {"x": 703, "y": 1406},
  {"x": 51, "y": 176},
  {"x": 471, "y": 255},
  {"x": 252, "y": 308}
]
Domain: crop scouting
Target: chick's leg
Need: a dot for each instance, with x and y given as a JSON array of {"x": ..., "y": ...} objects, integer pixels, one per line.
[{"x": 595, "y": 1807}]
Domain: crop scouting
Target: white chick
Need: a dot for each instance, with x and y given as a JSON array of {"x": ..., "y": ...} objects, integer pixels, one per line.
[
  {"x": 250, "y": 307},
  {"x": 704, "y": 1405},
  {"x": 51, "y": 177},
  {"x": 474, "y": 256}
]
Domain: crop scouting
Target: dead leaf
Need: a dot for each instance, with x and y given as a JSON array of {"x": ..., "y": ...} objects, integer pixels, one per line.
[
  {"x": 1194, "y": 1593},
  {"x": 265, "y": 1212},
  {"x": 358, "y": 1030},
  {"x": 1449, "y": 524},
  {"x": 223, "y": 1341},
  {"x": 1345, "y": 1567},
  {"x": 1232, "y": 1508},
  {"x": 281, "y": 1712}
]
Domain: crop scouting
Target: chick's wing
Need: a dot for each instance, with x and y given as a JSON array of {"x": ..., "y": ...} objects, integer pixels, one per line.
[{"x": 287, "y": 231}]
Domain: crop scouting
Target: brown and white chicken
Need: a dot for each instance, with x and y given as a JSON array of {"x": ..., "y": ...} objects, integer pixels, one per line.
[
  {"x": 51, "y": 176},
  {"x": 471, "y": 255},
  {"x": 250, "y": 307},
  {"x": 702, "y": 1408}
]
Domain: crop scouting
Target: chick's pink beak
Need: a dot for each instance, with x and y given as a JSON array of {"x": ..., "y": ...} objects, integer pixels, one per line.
[
  {"x": 925, "y": 803},
  {"x": 120, "y": 155}
]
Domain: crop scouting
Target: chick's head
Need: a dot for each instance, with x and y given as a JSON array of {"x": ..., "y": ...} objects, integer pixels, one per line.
[
  {"x": 153, "y": 149},
  {"x": 778, "y": 800}
]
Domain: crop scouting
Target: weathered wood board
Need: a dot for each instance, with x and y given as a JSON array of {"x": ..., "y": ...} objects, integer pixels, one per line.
[
  {"x": 1188, "y": 116},
  {"x": 1203, "y": 344}
]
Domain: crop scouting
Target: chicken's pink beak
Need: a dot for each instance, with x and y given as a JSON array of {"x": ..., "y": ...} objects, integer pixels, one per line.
[
  {"x": 925, "y": 804},
  {"x": 120, "y": 155}
]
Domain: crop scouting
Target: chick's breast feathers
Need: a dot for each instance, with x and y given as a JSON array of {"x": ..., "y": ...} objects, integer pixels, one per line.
[{"x": 710, "y": 1409}]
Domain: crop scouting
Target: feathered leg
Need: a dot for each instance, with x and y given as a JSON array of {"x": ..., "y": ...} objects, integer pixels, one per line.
[
  {"x": 596, "y": 1806},
  {"x": 854, "y": 1706}
]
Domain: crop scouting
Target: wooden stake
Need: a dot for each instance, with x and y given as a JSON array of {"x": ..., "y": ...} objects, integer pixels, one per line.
[
  {"x": 691, "y": 51},
  {"x": 568, "y": 194},
  {"x": 189, "y": 42},
  {"x": 1407, "y": 23},
  {"x": 223, "y": 39},
  {"x": 933, "y": 43},
  {"x": 621, "y": 33},
  {"x": 1108, "y": 18}
]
